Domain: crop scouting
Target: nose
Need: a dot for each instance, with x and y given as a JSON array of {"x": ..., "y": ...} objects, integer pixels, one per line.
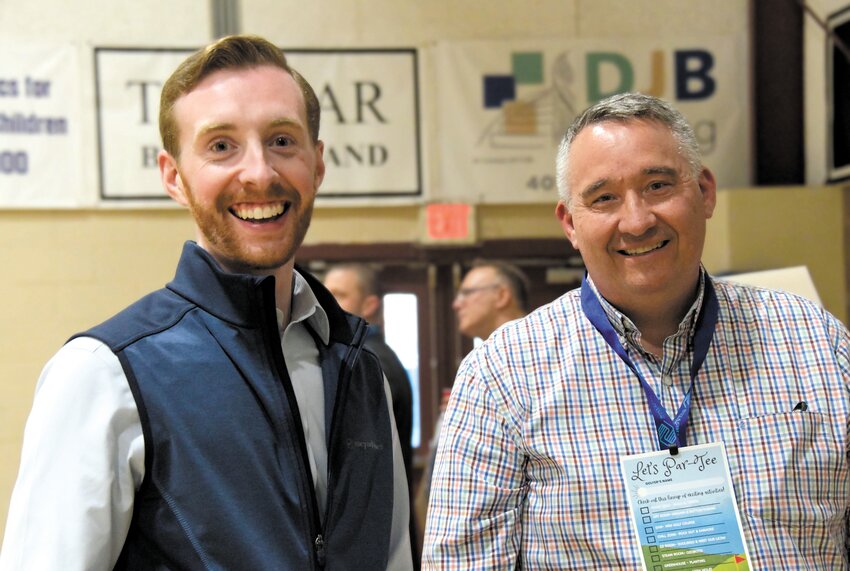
[
  {"x": 257, "y": 170},
  {"x": 456, "y": 303},
  {"x": 636, "y": 216}
]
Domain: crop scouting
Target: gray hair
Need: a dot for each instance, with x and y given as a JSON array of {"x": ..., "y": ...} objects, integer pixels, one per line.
[{"x": 622, "y": 108}]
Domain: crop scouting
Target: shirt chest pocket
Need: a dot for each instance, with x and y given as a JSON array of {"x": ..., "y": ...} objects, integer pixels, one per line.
[{"x": 792, "y": 469}]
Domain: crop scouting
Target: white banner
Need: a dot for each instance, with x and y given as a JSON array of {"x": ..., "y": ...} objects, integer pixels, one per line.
[
  {"x": 827, "y": 90},
  {"x": 504, "y": 106},
  {"x": 370, "y": 120},
  {"x": 39, "y": 126}
]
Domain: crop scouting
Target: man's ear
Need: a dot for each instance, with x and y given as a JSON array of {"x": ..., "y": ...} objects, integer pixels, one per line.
[
  {"x": 565, "y": 217},
  {"x": 708, "y": 188},
  {"x": 320, "y": 164},
  {"x": 503, "y": 296},
  {"x": 170, "y": 176},
  {"x": 370, "y": 306}
]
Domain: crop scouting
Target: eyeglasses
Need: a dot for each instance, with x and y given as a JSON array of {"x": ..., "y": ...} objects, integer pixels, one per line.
[{"x": 467, "y": 291}]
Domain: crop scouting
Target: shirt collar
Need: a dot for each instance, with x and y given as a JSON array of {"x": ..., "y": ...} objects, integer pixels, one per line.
[
  {"x": 626, "y": 328},
  {"x": 305, "y": 307}
]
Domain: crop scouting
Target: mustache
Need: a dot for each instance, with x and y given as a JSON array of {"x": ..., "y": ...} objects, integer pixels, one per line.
[{"x": 273, "y": 192}]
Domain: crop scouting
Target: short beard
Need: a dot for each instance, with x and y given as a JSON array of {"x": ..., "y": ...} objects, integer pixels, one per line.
[{"x": 228, "y": 250}]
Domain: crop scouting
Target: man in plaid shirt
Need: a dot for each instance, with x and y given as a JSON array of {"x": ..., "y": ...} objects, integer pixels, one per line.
[{"x": 527, "y": 473}]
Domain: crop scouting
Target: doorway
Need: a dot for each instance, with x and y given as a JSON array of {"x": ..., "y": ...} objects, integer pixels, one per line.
[{"x": 419, "y": 285}]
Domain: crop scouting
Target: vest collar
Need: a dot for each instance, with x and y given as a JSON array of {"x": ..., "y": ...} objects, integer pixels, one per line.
[{"x": 242, "y": 299}]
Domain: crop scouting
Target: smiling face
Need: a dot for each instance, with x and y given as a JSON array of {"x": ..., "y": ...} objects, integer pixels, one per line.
[
  {"x": 248, "y": 169},
  {"x": 637, "y": 214}
]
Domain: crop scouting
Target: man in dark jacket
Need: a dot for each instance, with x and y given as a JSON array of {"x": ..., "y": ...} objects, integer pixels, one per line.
[{"x": 230, "y": 420}]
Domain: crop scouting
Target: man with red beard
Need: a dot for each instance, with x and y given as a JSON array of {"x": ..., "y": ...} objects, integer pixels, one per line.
[{"x": 230, "y": 420}]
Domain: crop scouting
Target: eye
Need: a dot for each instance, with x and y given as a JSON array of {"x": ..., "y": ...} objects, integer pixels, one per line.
[
  {"x": 283, "y": 141},
  {"x": 603, "y": 198},
  {"x": 220, "y": 146}
]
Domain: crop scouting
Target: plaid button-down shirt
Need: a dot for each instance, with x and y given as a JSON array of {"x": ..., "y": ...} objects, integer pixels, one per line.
[{"x": 527, "y": 471}]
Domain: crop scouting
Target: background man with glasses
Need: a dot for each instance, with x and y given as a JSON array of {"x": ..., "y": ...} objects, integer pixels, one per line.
[{"x": 491, "y": 294}]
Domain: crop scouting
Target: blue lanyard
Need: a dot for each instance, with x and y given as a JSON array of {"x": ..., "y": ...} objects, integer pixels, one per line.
[{"x": 671, "y": 433}]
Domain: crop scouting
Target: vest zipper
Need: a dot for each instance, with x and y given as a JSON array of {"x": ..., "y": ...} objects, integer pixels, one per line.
[
  {"x": 319, "y": 546},
  {"x": 273, "y": 342},
  {"x": 351, "y": 356}
]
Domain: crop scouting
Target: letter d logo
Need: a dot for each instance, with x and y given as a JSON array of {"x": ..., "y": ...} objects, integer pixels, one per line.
[{"x": 594, "y": 65}]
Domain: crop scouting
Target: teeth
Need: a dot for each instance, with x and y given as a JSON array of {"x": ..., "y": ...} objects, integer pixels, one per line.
[
  {"x": 258, "y": 212},
  {"x": 644, "y": 250}
]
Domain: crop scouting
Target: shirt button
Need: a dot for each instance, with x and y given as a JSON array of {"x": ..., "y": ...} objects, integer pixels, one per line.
[{"x": 667, "y": 380}]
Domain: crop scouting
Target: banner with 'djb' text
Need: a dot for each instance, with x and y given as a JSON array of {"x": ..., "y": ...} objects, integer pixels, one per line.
[{"x": 504, "y": 106}]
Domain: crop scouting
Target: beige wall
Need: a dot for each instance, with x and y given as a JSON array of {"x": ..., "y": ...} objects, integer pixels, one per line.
[{"x": 765, "y": 228}]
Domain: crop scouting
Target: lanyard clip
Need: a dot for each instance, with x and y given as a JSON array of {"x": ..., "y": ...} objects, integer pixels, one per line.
[{"x": 674, "y": 450}]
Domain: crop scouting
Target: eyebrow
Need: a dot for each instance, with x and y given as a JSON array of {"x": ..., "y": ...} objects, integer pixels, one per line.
[
  {"x": 589, "y": 190},
  {"x": 214, "y": 127},
  {"x": 286, "y": 122},
  {"x": 668, "y": 171}
]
